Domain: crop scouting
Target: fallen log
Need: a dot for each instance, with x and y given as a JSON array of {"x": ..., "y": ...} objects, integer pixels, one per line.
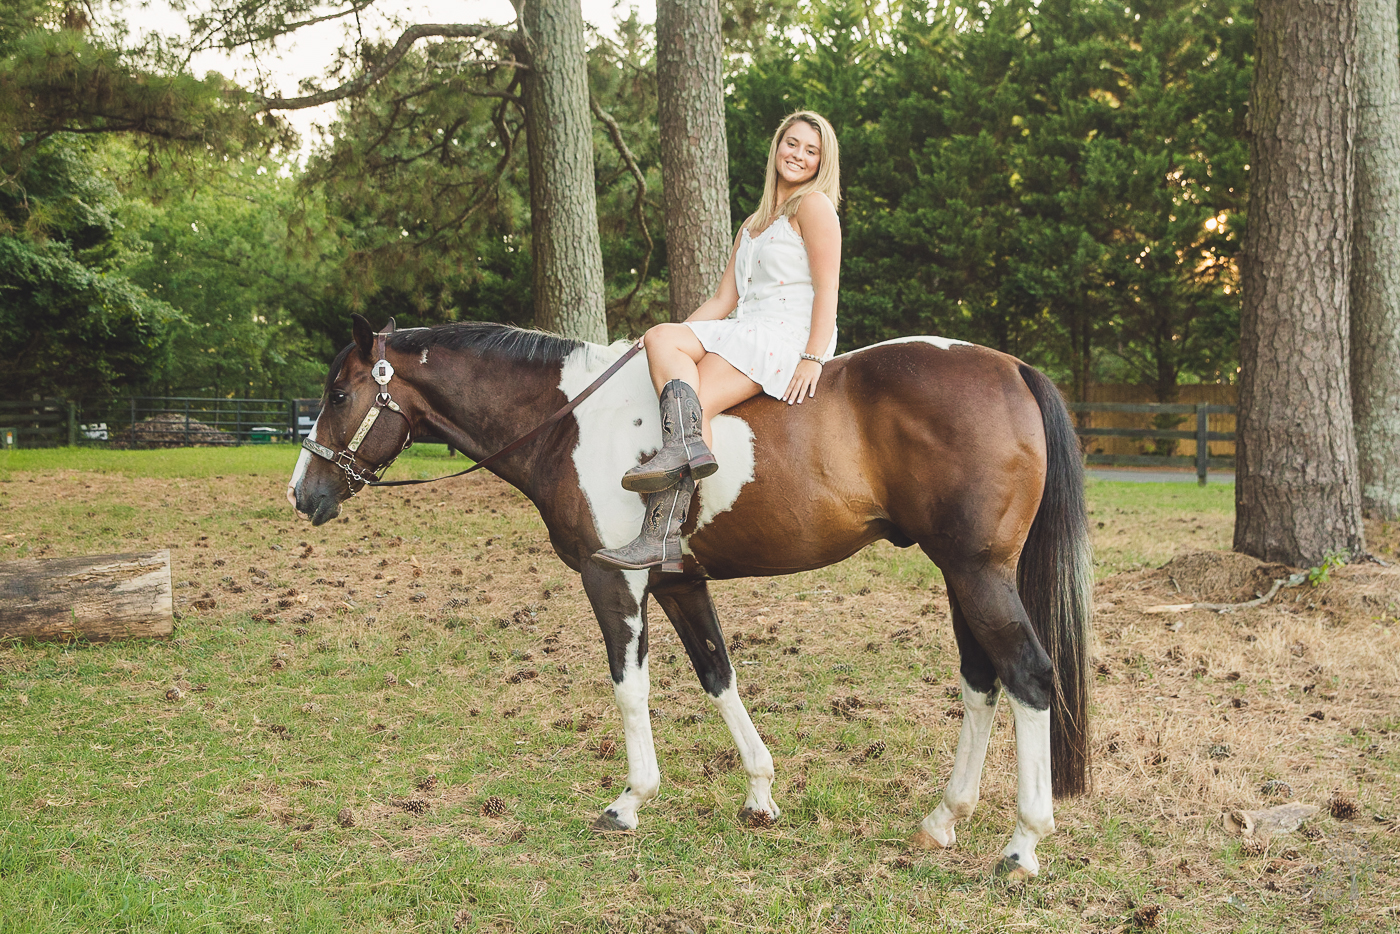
[{"x": 93, "y": 597}]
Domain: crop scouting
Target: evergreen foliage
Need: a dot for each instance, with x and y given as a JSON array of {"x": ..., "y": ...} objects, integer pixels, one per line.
[{"x": 1064, "y": 181}]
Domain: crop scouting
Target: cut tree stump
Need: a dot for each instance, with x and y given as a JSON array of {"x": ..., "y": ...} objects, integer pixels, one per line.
[{"x": 92, "y": 597}]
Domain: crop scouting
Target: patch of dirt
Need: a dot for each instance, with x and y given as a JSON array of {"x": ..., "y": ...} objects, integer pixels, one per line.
[
  {"x": 1364, "y": 590},
  {"x": 1221, "y": 576},
  {"x": 1196, "y": 713},
  {"x": 171, "y": 430}
]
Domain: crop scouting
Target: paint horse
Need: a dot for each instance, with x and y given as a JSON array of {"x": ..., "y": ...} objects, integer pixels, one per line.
[{"x": 966, "y": 452}]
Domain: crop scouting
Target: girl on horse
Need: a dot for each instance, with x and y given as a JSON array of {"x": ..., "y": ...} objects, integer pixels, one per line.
[{"x": 780, "y": 285}]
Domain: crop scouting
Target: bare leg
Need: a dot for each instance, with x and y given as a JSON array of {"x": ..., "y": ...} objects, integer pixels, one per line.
[
  {"x": 721, "y": 388},
  {"x": 673, "y": 350}
]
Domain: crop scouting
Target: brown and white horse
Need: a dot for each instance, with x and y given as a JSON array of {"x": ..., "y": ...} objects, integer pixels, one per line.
[{"x": 966, "y": 452}]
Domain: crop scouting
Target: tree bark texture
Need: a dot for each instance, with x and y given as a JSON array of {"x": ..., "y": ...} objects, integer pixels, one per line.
[
  {"x": 694, "y": 151},
  {"x": 567, "y": 255},
  {"x": 1297, "y": 495},
  {"x": 95, "y": 597},
  {"x": 1375, "y": 265}
]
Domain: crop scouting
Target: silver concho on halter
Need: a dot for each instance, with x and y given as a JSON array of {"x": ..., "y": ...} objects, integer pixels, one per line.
[{"x": 382, "y": 371}]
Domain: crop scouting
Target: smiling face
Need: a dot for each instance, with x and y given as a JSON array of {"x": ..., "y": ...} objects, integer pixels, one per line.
[{"x": 799, "y": 154}]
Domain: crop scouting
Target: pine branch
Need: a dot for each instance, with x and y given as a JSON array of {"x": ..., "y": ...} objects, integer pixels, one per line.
[
  {"x": 411, "y": 35},
  {"x": 615, "y": 133}
]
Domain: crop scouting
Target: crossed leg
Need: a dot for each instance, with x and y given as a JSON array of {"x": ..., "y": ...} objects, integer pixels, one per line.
[{"x": 674, "y": 352}]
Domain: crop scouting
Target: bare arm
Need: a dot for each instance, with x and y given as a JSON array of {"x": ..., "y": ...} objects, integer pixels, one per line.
[
  {"x": 820, "y": 230},
  {"x": 726, "y": 297}
]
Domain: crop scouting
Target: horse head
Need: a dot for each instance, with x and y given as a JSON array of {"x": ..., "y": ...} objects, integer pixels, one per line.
[{"x": 367, "y": 418}]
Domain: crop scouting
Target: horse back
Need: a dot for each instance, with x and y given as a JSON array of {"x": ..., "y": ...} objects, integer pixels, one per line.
[{"x": 916, "y": 441}]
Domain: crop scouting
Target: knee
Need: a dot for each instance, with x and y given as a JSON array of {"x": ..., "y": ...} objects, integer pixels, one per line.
[{"x": 663, "y": 336}]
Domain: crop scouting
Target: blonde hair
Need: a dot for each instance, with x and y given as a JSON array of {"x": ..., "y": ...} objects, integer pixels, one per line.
[{"x": 828, "y": 177}]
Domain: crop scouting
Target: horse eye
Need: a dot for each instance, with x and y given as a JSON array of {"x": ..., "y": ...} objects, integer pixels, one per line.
[{"x": 338, "y": 397}]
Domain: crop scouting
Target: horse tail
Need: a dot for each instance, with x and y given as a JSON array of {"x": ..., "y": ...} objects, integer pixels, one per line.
[{"x": 1055, "y": 577}]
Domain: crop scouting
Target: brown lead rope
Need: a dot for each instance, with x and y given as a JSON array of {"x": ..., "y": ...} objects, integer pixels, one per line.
[{"x": 533, "y": 433}]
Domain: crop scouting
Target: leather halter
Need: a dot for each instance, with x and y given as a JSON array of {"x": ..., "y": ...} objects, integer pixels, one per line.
[
  {"x": 348, "y": 459},
  {"x": 383, "y": 372}
]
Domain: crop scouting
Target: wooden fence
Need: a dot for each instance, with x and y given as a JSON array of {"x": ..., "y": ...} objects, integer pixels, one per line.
[
  {"x": 1165, "y": 441},
  {"x": 1196, "y": 432},
  {"x": 38, "y": 423}
]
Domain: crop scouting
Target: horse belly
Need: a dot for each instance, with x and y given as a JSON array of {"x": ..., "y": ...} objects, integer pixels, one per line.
[{"x": 757, "y": 516}]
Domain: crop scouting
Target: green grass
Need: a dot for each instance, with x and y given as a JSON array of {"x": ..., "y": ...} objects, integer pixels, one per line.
[
  {"x": 196, "y": 463},
  {"x": 124, "y": 811}
]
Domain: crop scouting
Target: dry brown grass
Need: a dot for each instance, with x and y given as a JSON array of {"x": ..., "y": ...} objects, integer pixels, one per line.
[{"x": 852, "y": 670}]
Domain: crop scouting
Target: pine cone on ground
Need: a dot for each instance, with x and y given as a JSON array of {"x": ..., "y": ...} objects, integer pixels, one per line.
[{"x": 1342, "y": 806}]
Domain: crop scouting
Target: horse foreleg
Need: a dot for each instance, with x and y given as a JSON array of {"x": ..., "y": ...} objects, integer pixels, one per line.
[
  {"x": 986, "y": 600},
  {"x": 619, "y": 602},
  {"x": 688, "y": 605}
]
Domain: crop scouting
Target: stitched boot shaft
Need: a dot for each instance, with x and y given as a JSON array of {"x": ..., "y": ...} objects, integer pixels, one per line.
[
  {"x": 660, "y": 540},
  {"x": 682, "y": 444}
]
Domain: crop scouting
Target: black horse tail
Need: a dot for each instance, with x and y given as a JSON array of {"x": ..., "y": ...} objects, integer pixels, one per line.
[{"x": 1056, "y": 581}]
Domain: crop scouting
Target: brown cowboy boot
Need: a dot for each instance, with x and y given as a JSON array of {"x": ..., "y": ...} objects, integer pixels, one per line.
[
  {"x": 682, "y": 444},
  {"x": 660, "y": 540}
]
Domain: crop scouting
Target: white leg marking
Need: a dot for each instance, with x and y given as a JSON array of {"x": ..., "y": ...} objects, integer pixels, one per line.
[
  {"x": 960, "y": 797},
  {"x": 1035, "y": 810},
  {"x": 299, "y": 471},
  {"x": 758, "y": 762},
  {"x": 633, "y": 695}
]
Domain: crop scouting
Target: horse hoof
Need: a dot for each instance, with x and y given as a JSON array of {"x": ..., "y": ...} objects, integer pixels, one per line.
[
  {"x": 607, "y": 822},
  {"x": 1011, "y": 870},
  {"x": 756, "y": 819},
  {"x": 924, "y": 840}
]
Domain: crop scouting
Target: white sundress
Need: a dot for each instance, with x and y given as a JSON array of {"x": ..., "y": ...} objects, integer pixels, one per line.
[{"x": 768, "y": 331}]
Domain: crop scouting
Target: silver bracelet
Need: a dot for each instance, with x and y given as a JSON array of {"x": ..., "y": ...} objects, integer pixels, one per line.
[{"x": 813, "y": 357}]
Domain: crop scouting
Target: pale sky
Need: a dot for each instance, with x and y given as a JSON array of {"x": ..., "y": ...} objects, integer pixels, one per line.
[{"x": 308, "y": 52}]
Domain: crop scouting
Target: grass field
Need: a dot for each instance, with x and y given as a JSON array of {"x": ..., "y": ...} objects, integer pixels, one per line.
[{"x": 317, "y": 747}]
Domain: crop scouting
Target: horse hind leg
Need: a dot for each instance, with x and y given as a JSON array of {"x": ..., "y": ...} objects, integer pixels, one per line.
[
  {"x": 998, "y": 622},
  {"x": 692, "y": 612},
  {"x": 619, "y": 602},
  {"x": 980, "y": 694}
]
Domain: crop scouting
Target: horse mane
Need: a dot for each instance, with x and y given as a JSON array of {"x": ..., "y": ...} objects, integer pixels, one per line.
[{"x": 488, "y": 339}]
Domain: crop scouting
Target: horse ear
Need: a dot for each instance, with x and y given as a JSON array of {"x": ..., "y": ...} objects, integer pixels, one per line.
[
  {"x": 364, "y": 335},
  {"x": 388, "y": 328}
]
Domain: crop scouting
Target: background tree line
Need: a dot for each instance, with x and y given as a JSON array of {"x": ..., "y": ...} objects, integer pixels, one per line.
[{"x": 1063, "y": 181}]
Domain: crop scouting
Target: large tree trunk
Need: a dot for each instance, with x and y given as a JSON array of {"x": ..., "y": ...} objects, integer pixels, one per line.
[
  {"x": 567, "y": 256},
  {"x": 1296, "y": 492},
  {"x": 1375, "y": 270},
  {"x": 694, "y": 152}
]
